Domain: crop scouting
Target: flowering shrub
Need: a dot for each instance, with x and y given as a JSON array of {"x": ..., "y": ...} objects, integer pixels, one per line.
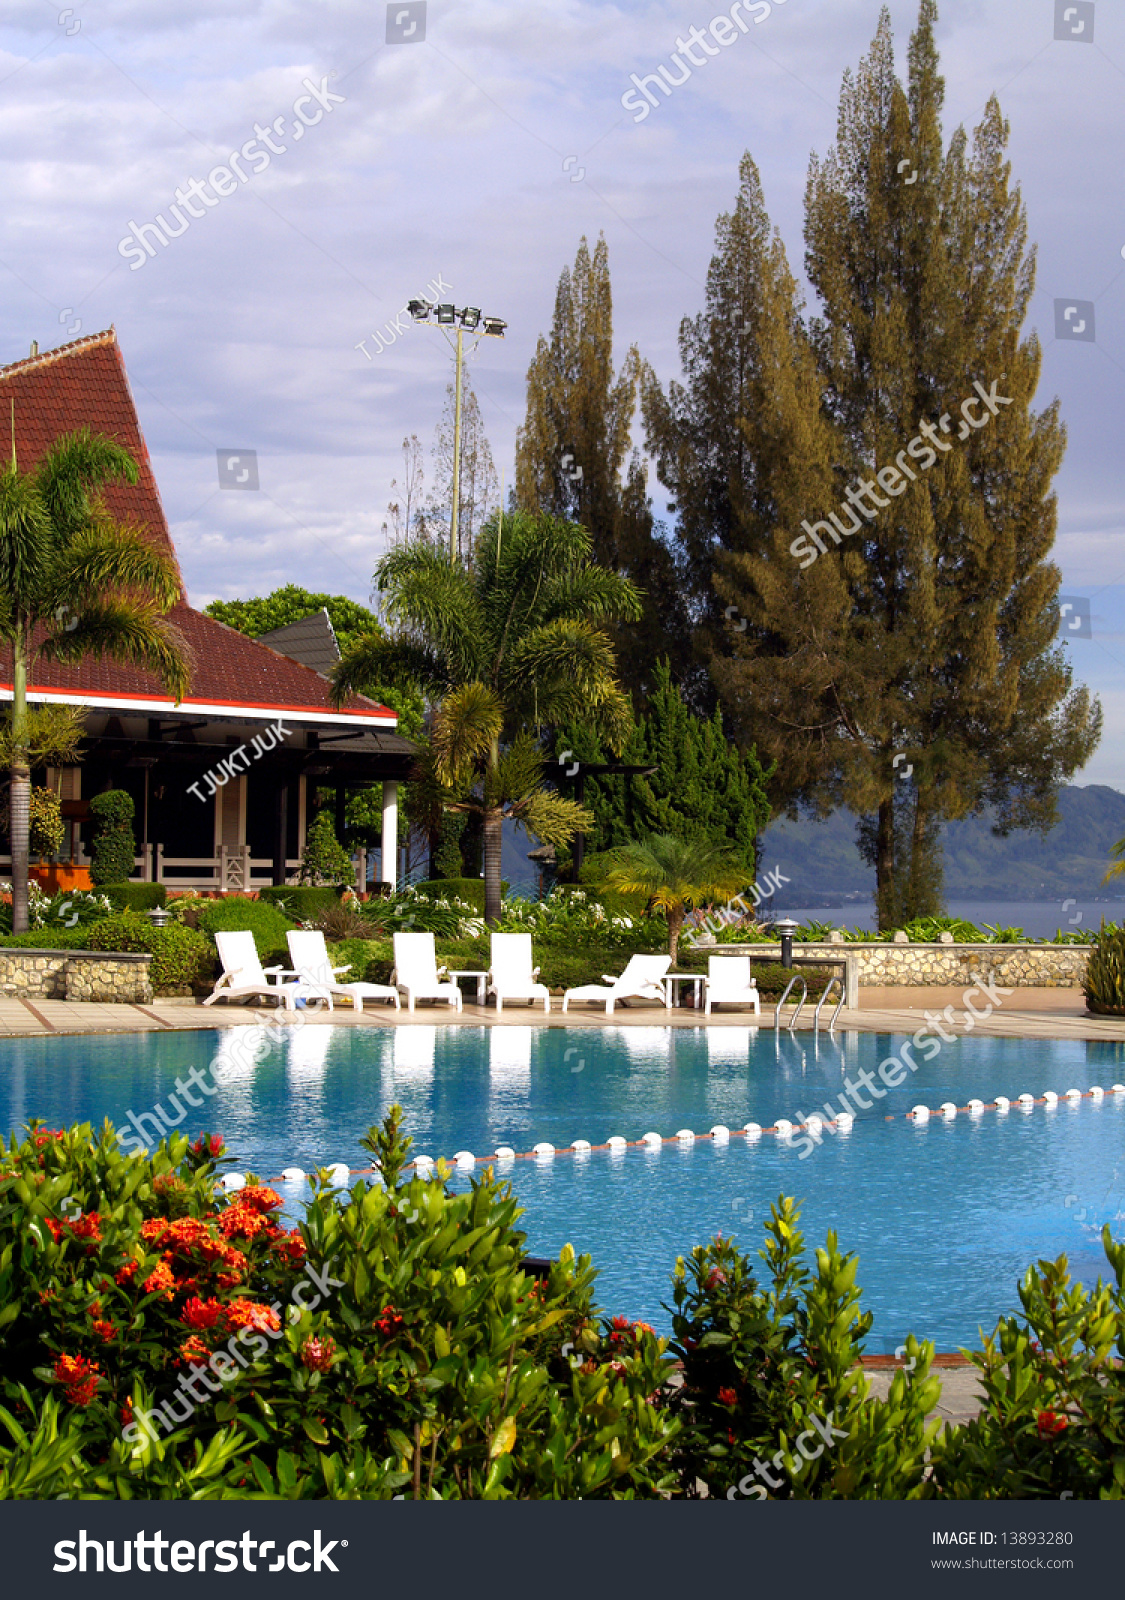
[{"x": 568, "y": 915}]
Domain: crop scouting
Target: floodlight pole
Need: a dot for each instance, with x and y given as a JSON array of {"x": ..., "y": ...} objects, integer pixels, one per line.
[{"x": 453, "y": 529}]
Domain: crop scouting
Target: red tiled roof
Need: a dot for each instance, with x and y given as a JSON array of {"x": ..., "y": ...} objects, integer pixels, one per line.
[{"x": 84, "y": 385}]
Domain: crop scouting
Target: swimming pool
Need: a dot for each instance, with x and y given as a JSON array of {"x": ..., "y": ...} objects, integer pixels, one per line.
[{"x": 945, "y": 1216}]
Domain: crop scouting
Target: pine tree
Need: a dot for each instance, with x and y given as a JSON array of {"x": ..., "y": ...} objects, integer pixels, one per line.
[
  {"x": 703, "y": 787},
  {"x": 924, "y": 628},
  {"x": 574, "y": 459}
]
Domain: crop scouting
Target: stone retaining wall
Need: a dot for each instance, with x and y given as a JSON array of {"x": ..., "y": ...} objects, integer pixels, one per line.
[
  {"x": 76, "y": 975},
  {"x": 1014, "y": 966}
]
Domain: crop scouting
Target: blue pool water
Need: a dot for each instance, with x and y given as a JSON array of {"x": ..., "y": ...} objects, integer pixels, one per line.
[{"x": 945, "y": 1216}]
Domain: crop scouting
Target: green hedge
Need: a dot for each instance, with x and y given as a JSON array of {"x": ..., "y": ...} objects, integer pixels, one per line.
[
  {"x": 134, "y": 896},
  {"x": 268, "y": 925},
  {"x": 181, "y": 957},
  {"x": 47, "y": 939},
  {"x": 302, "y": 902}
]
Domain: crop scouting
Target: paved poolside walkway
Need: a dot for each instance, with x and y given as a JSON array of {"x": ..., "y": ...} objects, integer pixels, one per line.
[{"x": 1025, "y": 1014}]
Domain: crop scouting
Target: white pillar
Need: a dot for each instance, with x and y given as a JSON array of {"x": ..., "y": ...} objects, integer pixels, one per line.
[{"x": 390, "y": 833}]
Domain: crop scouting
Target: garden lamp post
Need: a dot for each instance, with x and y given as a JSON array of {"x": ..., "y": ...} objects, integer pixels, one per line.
[
  {"x": 785, "y": 929},
  {"x": 467, "y": 320}
]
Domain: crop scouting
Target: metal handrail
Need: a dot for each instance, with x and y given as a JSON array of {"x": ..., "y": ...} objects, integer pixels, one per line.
[
  {"x": 796, "y": 978},
  {"x": 835, "y": 978}
]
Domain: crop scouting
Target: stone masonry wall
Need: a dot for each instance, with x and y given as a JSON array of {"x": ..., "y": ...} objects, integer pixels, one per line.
[
  {"x": 1014, "y": 966},
  {"x": 76, "y": 975}
]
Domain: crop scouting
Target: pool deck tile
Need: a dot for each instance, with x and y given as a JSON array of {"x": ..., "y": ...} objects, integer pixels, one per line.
[{"x": 1026, "y": 1014}]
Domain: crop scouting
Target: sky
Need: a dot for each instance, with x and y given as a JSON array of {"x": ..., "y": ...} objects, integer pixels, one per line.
[{"x": 466, "y": 148}]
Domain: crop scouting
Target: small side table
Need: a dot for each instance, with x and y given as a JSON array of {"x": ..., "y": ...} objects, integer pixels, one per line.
[
  {"x": 681, "y": 977},
  {"x": 472, "y": 972}
]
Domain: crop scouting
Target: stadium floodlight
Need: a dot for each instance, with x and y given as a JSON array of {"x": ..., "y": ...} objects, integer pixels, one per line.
[
  {"x": 494, "y": 327},
  {"x": 470, "y": 317},
  {"x": 419, "y": 309},
  {"x": 447, "y": 315}
]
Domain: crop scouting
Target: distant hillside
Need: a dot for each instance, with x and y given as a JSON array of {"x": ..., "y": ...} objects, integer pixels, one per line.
[{"x": 823, "y": 863}]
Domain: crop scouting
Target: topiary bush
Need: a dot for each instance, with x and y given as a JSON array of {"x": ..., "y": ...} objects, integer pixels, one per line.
[
  {"x": 1104, "y": 983},
  {"x": 324, "y": 859},
  {"x": 302, "y": 901},
  {"x": 114, "y": 845},
  {"x": 135, "y": 896}
]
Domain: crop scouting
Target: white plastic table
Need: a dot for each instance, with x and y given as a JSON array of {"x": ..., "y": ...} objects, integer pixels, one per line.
[
  {"x": 472, "y": 972},
  {"x": 681, "y": 977}
]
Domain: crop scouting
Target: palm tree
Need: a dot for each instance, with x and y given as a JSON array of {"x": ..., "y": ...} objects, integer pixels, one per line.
[
  {"x": 73, "y": 582},
  {"x": 675, "y": 873},
  {"x": 1118, "y": 868},
  {"x": 505, "y": 647}
]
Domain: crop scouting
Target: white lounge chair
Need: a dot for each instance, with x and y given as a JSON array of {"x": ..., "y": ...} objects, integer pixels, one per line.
[
  {"x": 417, "y": 974},
  {"x": 641, "y": 980},
  {"x": 729, "y": 983},
  {"x": 511, "y": 976},
  {"x": 244, "y": 976},
  {"x": 309, "y": 955}
]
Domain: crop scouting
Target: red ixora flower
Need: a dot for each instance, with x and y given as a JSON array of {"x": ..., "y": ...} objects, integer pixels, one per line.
[
  {"x": 715, "y": 1278},
  {"x": 317, "y": 1354},
  {"x": 160, "y": 1281},
  {"x": 259, "y": 1198},
  {"x": 727, "y": 1397},
  {"x": 79, "y": 1377},
  {"x": 209, "y": 1144},
  {"x": 389, "y": 1322},
  {"x": 199, "y": 1313},
  {"x": 1050, "y": 1422}
]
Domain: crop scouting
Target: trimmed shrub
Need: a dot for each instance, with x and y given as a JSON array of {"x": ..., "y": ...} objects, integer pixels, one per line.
[
  {"x": 303, "y": 902},
  {"x": 324, "y": 859},
  {"x": 268, "y": 924},
  {"x": 135, "y": 896},
  {"x": 114, "y": 844},
  {"x": 46, "y": 939},
  {"x": 471, "y": 890},
  {"x": 181, "y": 957}
]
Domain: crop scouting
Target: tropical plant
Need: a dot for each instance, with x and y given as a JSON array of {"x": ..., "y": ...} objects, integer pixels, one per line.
[
  {"x": 1104, "y": 982},
  {"x": 115, "y": 848},
  {"x": 675, "y": 874},
  {"x": 73, "y": 582},
  {"x": 1117, "y": 870},
  {"x": 516, "y": 642}
]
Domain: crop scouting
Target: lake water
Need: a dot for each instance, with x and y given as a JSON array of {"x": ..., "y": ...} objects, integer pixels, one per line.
[{"x": 1038, "y": 919}]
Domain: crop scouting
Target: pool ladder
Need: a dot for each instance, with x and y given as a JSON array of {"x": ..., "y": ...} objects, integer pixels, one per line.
[{"x": 792, "y": 1023}]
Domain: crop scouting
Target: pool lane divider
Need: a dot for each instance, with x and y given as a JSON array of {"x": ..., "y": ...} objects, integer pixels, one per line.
[{"x": 465, "y": 1160}]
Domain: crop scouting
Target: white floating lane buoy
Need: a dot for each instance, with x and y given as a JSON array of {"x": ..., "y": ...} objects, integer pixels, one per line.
[
  {"x": 948, "y": 1109},
  {"x": 976, "y": 1107},
  {"x": 617, "y": 1141},
  {"x": 753, "y": 1130},
  {"x": 686, "y": 1136},
  {"x": 1074, "y": 1094},
  {"x": 466, "y": 1158},
  {"x": 652, "y": 1140},
  {"x": 1118, "y": 1088},
  {"x": 920, "y": 1113},
  {"x": 581, "y": 1146},
  {"x": 423, "y": 1163},
  {"x": 720, "y": 1134},
  {"x": 1026, "y": 1100},
  {"x": 293, "y": 1174},
  {"x": 844, "y": 1119},
  {"x": 1096, "y": 1092},
  {"x": 1002, "y": 1102},
  {"x": 783, "y": 1127},
  {"x": 1050, "y": 1097},
  {"x": 543, "y": 1151},
  {"x": 232, "y": 1180},
  {"x": 504, "y": 1152},
  {"x": 339, "y": 1172}
]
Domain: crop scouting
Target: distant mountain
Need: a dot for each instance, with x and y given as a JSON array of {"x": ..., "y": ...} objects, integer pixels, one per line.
[{"x": 824, "y": 865}]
